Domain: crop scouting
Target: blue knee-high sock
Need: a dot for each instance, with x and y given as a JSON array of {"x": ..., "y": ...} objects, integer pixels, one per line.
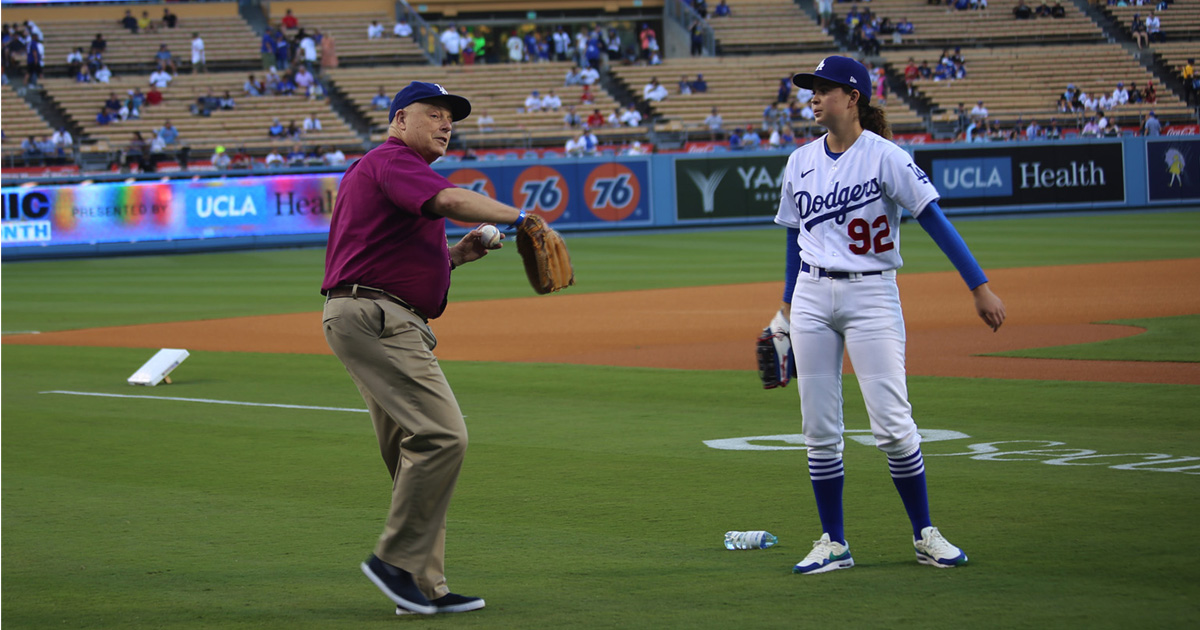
[
  {"x": 827, "y": 477},
  {"x": 908, "y": 475}
]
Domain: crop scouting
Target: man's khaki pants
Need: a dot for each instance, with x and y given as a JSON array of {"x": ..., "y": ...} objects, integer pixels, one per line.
[{"x": 388, "y": 351}]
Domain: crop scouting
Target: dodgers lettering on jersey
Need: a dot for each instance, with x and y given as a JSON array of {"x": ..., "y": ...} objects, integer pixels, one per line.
[{"x": 848, "y": 210}]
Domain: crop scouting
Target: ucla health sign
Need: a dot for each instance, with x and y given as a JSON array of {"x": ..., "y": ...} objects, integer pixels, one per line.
[{"x": 1059, "y": 174}]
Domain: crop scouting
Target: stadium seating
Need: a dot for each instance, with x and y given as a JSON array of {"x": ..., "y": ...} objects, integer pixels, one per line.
[
  {"x": 767, "y": 26},
  {"x": 352, "y": 45},
  {"x": 941, "y": 25},
  {"x": 1180, "y": 20},
  {"x": 228, "y": 41},
  {"x": 740, "y": 87},
  {"x": 499, "y": 89},
  {"x": 1015, "y": 82},
  {"x": 20, "y": 122},
  {"x": 244, "y": 126}
]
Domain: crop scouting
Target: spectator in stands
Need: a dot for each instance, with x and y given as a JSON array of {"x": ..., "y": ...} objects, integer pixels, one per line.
[
  {"x": 1022, "y": 11},
  {"x": 699, "y": 86},
  {"x": 227, "y": 102},
  {"x": 1138, "y": 29},
  {"x": 684, "y": 85},
  {"x": 696, "y": 34},
  {"x": 1042, "y": 10},
  {"x": 654, "y": 91},
  {"x": 293, "y": 131},
  {"x": 328, "y": 46},
  {"x": 612, "y": 45},
  {"x": 374, "y": 30},
  {"x": 31, "y": 151},
  {"x": 104, "y": 116},
  {"x": 593, "y": 53},
  {"x": 595, "y": 120},
  {"x": 485, "y": 122},
  {"x": 145, "y": 24},
  {"x": 1154, "y": 28},
  {"x": 735, "y": 139},
  {"x": 160, "y": 78},
  {"x": 591, "y": 144},
  {"x": 574, "y": 144},
  {"x": 312, "y": 123},
  {"x": 904, "y": 27},
  {"x": 253, "y": 87},
  {"x": 99, "y": 45},
  {"x": 1058, "y": 11},
  {"x": 112, "y": 102},
  {"x": 571, "y": 119},
  {"x": 381, "y": 101},
  {"x": 868, "y": 38},
  {"x": 586, "y": 97},
  {"x": 168, "y": 132},
  {"x": 35, "y": 57},
  {"x": 1150, "y": 94},
  {"x": 1102, "y": 123},
  {"x": 169, "y": 19},
  {"x": 103, "y": 74},
  {"x": 276, "y": 130},
  {"x": 769, "y": 115},
  {"x": 785, "y": 90},
  {"x": 154, "y": 97},
  {"x": 713, "y": 122},
  {"x": 589, "y": 75},
  {"x": 304, "y": 81},
  {"x": 644, "y": 36},
  {"x": 574, "y": 76},
  {"x": 266, "y": 48},
  {"x": 1090, "y": 129},
  {"x": 307, "y": 50},
  {"x": 1120, "y": 96},
  {"x": 129, "y": 22},
  {"x": 1151, "y": 126},
  {"x": 614, "y": 119},
  {"x": 551, "y": 102},
  {"x": 1052, "y": 131},
  {"x": 296, "y": 156},
  {"x": 164, "y": 59},
  {"x": 533, "y": 102},
  {"x": 516, "y": 48},
  {"x": 1190, "y": 80},
  {"x": 452, "y": 44},
  {"x": 403, "y": 29},
  {"x": 282, "y": 50},
  {"x": 1033, "y": 131},
  {"x": 751, "y": 139},
  {"x": 62, "y": 141},
  {"x": 289, "y": 21},
  {"x": 220, "y": 159},
  {"x": 274, "y": 159},
  {"x": 74, "y": 62},
  {"x": 333, "y": 156},
  {"x": 979, "y": 113},
  {"x": 199, "y": 60},
  {"x": 631, "y": 117},
  {"x": 136, "y": 153},
  {"x": 286, "y": 85},
  {"x": 722, "y": 10},
  {"x": 205, "y": 105}
]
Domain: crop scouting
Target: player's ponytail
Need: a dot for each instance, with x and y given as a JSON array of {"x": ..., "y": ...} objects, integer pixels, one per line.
[{"x": 874, "y": 119}]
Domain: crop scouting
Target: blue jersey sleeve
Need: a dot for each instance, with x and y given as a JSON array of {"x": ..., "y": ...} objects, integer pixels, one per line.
[
  {"x": 947, "y": 238},
  {"x": 793, "y": 263}
]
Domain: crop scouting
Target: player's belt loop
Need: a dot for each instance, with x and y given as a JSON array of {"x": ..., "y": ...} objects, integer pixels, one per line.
[{"x": 854, "y": 277}]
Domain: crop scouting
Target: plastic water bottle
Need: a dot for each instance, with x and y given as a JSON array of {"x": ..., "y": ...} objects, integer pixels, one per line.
[{"x": 757, "y": 539}]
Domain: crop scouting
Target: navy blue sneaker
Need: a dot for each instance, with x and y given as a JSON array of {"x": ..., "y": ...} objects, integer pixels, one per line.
[
  {"x": 451, "y": 603},
  {"x": 398, "y": 585}
]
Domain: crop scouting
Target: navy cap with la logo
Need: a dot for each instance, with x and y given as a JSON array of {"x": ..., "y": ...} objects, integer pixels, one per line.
[
  {"x": 460, "y": 107},
  {"x": 841, "y": 70}
]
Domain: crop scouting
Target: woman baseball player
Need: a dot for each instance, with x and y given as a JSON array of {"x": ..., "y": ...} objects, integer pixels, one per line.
[{"x": 841, "y": 202}]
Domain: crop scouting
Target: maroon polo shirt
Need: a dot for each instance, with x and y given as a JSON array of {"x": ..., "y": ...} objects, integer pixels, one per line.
[{"x": 380, "y": 238}]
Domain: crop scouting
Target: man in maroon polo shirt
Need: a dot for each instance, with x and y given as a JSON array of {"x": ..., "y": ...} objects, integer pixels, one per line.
[{"x": 387, "y": 272}]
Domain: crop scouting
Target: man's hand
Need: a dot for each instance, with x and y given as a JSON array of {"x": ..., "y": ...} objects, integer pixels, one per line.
[{"x": 470, "y": 248}]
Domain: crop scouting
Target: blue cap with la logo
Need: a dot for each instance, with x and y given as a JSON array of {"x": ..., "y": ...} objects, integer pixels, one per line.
[
  {"x": 841, "y": 70},
  {"x": 460, "y": 107}
]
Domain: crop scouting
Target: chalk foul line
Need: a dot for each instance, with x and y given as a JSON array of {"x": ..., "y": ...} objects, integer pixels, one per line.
[{"x": 209, "y": 401}]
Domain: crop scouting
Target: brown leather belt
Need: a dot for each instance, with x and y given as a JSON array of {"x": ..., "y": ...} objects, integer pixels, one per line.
[{"x": 359, "y": 291}]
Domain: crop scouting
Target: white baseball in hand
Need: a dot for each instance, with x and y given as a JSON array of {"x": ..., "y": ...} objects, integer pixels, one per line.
[{"x": 489, "y": 236}]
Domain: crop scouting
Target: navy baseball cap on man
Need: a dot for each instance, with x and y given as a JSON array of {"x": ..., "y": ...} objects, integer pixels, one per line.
[
  {"x": 460, "y": 107},
  {"x": 841, "y": 70}
]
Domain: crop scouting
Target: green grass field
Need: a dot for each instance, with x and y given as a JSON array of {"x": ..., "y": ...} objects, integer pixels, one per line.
[{"x": 589, "y": 497}]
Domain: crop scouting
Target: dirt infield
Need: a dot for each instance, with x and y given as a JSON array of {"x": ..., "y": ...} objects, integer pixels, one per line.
[{"x": 711, "y": 328}]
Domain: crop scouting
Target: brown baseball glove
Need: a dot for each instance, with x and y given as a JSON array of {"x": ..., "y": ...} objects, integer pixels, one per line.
[{"x": 547, "y": 263}]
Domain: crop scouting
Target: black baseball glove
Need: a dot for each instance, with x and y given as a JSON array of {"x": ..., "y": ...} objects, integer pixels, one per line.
[{"x": 776, "y": 363}]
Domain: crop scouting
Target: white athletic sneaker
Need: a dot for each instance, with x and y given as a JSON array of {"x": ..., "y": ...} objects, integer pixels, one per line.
[
  {"x": 826, "y": 555},
  {"x": 933, "y": 549}
]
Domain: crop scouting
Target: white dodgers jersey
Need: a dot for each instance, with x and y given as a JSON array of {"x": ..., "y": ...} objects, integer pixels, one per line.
[{"x": 848, "y": 210}]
